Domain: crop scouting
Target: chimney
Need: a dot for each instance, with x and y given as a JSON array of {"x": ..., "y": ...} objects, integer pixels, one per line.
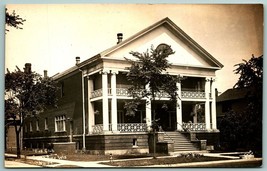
[
  {"x": 119, "y": 37},
  {"x": 77, "y": 60},
  {"x": 28, "y": 68},
  {"x": 45, "y": 73}
]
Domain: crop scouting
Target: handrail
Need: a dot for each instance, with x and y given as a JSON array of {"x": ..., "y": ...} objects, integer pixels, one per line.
[
  {"x": 161, "y": 130},
  {"x": 185, "y": 129}
]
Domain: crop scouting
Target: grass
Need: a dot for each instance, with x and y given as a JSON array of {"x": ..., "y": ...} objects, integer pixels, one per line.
[
  {"x": 162, "y": 161},
  {"x": 89, "y": 157}
]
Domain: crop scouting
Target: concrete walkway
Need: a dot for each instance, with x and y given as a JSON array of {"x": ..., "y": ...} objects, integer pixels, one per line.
[
  {"x": 15, "y": 164},
  {"x": 68, "y": 162}
]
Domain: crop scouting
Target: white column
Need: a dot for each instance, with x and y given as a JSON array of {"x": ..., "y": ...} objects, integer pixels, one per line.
[
  {"x": 207, "y": 104},
  {"x": 213, "y": 105},
  {"x": 114, "y": 117},
  {"x": 148, "y": 113},
  {"x": 105, "y": 108},
  {"x": 179, "y": 107},
  {"x": 91, "y": 111}
]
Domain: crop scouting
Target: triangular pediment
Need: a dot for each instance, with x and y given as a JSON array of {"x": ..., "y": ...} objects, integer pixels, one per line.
[{"x": 187, "y": 51}]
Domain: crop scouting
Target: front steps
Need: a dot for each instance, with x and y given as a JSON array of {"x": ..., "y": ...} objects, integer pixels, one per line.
[{"x": 181, "y": 143}]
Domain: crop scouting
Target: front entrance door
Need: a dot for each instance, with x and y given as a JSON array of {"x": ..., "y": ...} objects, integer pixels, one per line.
[{"x": 166, "y": 118}]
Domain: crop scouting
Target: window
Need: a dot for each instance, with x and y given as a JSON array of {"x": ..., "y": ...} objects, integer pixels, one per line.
[
  {"x": 25, "y": 128},
  {"x": 135, "y": 142},
  {"x": 60, "y": 123},
  {"x": 37, "y": 125},
  {"x": 46, "y": 124},
  {"x": 31, "y": 126},
  {"x": 62, "y": 89}
]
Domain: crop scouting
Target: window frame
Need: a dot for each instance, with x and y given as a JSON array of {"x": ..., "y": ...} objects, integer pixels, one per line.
[
  {"x": 60, "y": 123},
  {"x": 46, "y": 124},
  {"x": 31, "y": 130},
  {"x": 37, "y": 125}
]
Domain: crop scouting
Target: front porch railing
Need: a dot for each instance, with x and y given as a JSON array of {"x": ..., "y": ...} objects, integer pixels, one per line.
[
  {"x": 122, "y": 127},
  {"x": 132, "y": 127},
  {"x": 98, "y": 129},
  {"x": 194, "y": 126}
]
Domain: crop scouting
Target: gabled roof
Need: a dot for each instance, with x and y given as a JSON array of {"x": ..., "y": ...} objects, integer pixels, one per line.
[
  {"x": 166, "y": 22},
  {"x": 175, "y": 29},
  {"x": 233, "y": 94}
]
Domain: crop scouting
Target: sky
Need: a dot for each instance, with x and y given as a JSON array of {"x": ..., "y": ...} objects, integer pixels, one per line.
[{"x": 53, "y": 35}]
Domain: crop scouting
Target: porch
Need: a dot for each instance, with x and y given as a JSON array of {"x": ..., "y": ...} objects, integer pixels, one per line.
[{"x": 108, "y": 92}]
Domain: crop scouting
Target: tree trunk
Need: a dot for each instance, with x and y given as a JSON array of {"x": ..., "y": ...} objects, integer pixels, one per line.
[
  {"x": 18, "y": 143},
  {"x": 154, "y": 135},
  {"x": 154, "y": 128}
]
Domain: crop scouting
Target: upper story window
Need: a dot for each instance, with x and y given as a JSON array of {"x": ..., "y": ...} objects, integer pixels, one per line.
[
  {"x": 60, "y": 123},
  {"x": 163, "y": 46},
  {"x": 31, "y": 126},
  {"x": 46, "y": 124},
  {"x": 37, "y": 125},
  {"x": 62, "y": 93},
  {"x": 26, "y": 128}
]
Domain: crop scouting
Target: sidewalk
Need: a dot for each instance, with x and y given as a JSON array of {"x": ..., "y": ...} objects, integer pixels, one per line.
[
  {"x": 68, "y": 162},
  {"x": 15, "y": 164}
]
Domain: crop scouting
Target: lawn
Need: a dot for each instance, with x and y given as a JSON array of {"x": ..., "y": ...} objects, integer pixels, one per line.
[{"x": 162, "y": 161}]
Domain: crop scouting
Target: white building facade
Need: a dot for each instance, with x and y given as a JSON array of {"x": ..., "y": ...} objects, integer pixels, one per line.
[{"x": 104, "y": 90}]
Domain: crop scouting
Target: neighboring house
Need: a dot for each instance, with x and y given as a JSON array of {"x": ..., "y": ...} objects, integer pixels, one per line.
[
  {"x": 93, "y": 92},
  {"x": 234, "y": 99}
]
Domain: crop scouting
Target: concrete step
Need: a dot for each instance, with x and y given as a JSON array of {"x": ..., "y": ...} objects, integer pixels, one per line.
[{"x": 181, "y": 143}]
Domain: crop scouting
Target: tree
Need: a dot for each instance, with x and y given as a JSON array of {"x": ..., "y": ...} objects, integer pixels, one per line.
[
  {"x": 148, "y": 76},
  {"x": 27, "y": 94},
  {"x": 251, "y": 73},
  {"x": 244, "y": 129},
  {"x": 14, "y": 20}
]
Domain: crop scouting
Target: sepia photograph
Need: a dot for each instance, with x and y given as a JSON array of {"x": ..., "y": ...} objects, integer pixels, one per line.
[{"x": 133, "y": 86}]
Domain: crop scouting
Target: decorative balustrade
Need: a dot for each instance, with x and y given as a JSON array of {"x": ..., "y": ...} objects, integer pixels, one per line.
[
  {"x": 96, "y": 93},
  {"x": 132, "y": 127},
  {"x": 193, "y": 94},
  {"x": 122, "y": 127},
  {"x": 125, "y": 92},
  {"x": 194, "y": 126},
  {"x": 122, "y": 92},
  {"x": 98, "y": 129},
  {"x": 162, "y": 94}
]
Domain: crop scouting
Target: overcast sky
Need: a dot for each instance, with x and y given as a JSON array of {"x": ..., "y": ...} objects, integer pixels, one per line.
[{"x": 54, "y": 35}]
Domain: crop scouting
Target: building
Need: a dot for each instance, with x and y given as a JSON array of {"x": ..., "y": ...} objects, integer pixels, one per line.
[
  {"x": 93, "y": 92},
  {"x": 234, "y": 99}
]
